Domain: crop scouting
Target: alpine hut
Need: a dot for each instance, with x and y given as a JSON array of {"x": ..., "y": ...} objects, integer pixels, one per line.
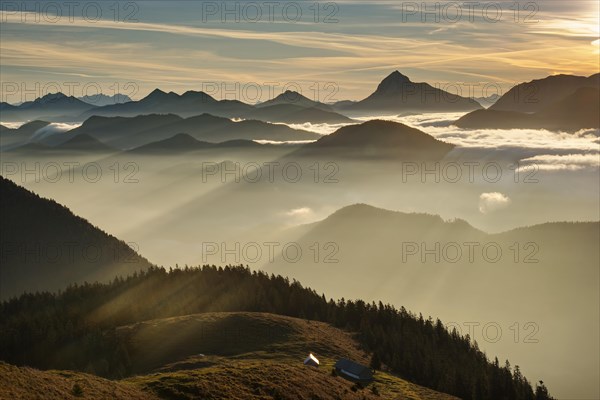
[
  {"x": 311, "y": 360},
  {"x": 354, "y": 371}
]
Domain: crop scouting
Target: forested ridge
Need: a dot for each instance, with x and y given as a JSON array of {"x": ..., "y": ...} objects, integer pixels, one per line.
[
  {"x": 76, "y": 328},
  {"x": 44, "y": 246}
]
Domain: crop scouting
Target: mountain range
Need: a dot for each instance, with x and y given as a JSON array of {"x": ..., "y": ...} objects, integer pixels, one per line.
[
  {"x": 100, "y": 99},
  {"x": 562, "y": 102},
  {"x": 289, "y": 107},
  {"x": 184, "y": 143},
  {"x": 154, "y": 134},
  {"x": 53, "y": 106},
  {"x": 395, "y": 94},
  {"x": 130, "y": 132}
]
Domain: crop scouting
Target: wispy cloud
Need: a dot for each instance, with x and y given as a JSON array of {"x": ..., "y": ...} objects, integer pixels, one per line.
[
  {"x": 494, "y": 201},
  {"x": 567, "y": 162},
  {"x": 174, "y": 55}
]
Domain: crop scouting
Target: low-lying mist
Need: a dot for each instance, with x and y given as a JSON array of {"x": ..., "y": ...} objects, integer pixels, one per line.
[{"x": 223, "y": 205}]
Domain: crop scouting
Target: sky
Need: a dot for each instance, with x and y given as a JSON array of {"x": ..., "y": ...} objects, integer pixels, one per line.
[{"x": 253, "y": 51}]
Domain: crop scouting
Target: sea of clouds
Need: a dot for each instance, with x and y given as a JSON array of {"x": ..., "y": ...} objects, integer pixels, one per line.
[{"x": 547, "y": 149}]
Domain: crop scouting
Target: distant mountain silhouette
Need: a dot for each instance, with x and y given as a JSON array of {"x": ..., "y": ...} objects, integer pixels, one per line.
[
  {"x": 395, "y": 94},
  {"x": 398, "y": 94},
  {"x": 289, "y": 107},
  {"x": 493, "y": 119},
  {"x": 125, "y": 133},
  {"x": 294, "y": 98},
  {"x": 50, "y": 106},
  {"x": 184, "y": 143},
  {"x": 78, "y": 143},
  {"x": 55, "y": 100},
  {"x": 10, "y": 137},
  {"x": 487, "y": 101},
  {"x": 28, "y": 128},
  {"x": 86, "y": 143},
  {"x": 100, "y": 99},
  {"x": 365, "y": 232},
  {"x": 372, "y": 219},
  {"x": 240, "y": 143},
  {"x": 579, "y": 110},
  {"x": 538, "y": 94},
  {"x": 45, "y": 246},
  {"x": 4, "y": 106},
  {"x": 297, "y": 114},
  {"x": 186, "y": 105},
  {"x": 342, "y": 104},
  {"x": 104, "y": 126},
  {"x": 30, "y": 149},
  {"x": 377, "y": 139}
]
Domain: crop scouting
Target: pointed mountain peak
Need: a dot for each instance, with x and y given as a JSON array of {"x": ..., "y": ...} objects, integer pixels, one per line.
[
  {"x": 397, "y": 75},
  {"x": 294, "y": 98},
  {"x": 156, "y": 93},
  {"x": 393, "y": 82},
  {"x": 291, "y": 96},
  {"x": 398, "y": 94}
]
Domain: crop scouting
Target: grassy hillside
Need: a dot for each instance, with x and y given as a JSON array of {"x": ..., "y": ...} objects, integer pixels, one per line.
[
  {"x": 31, "y": 384},
  {"x": 236, "y": 335},
  {"x": 274, "y": 379},
  {"x": 237, "y": 355},
  {"x": 244, "y": 355},
  {"x": 98, "y": 328}
]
